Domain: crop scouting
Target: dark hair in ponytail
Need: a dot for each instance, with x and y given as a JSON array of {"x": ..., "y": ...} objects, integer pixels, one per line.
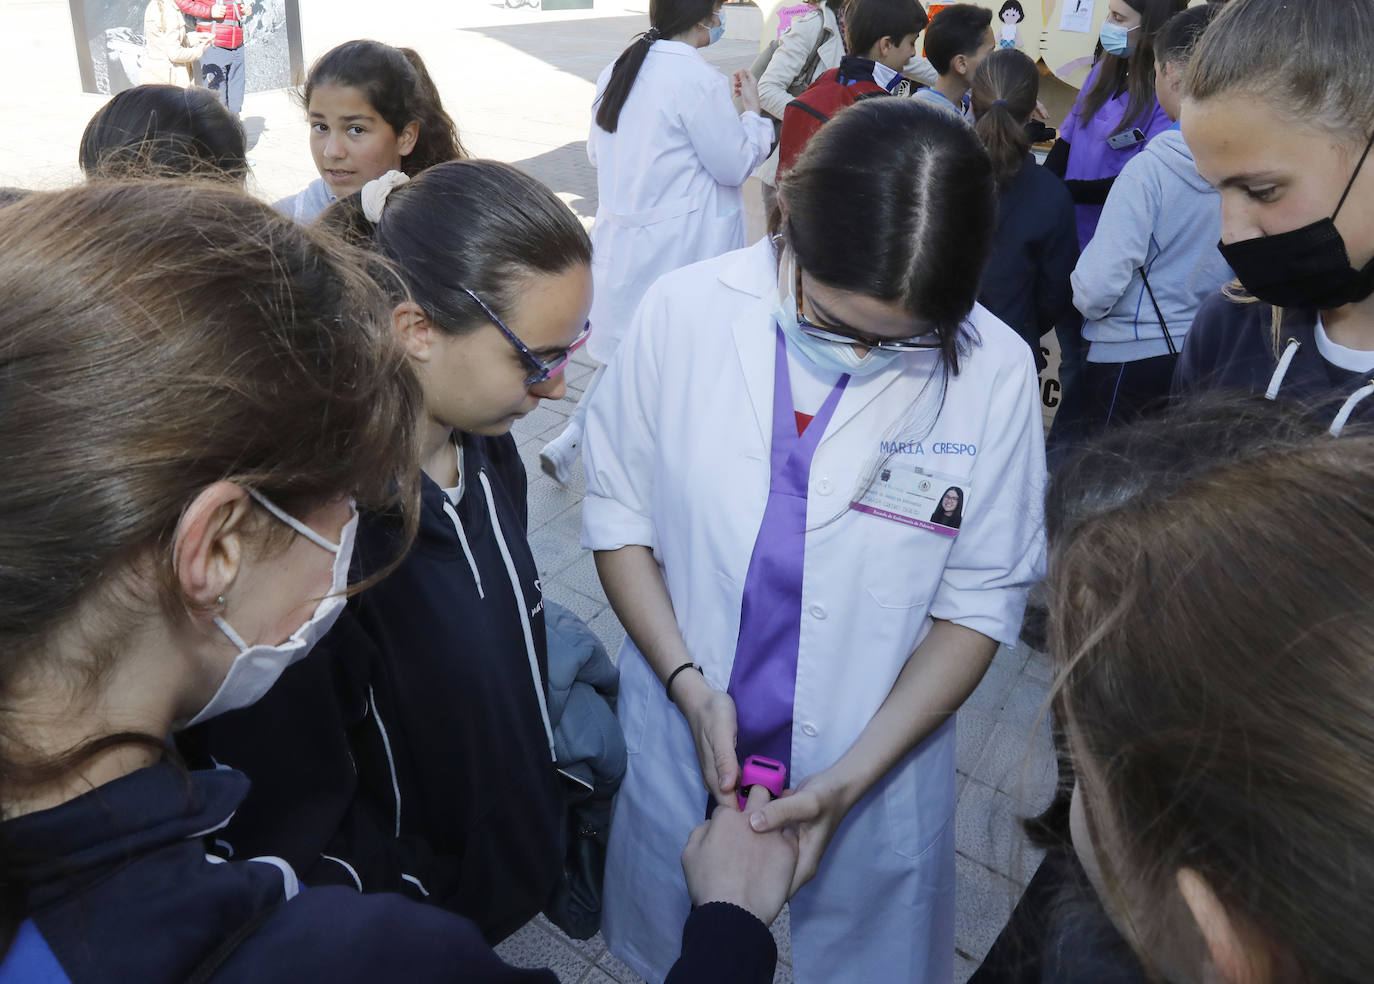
[
  {"x": 164, "y": 131},
  {"x": 1005, "y": 88},
  {"x": 397, "y": 85},
  {"x": 483, "y": 225},
  {"x": 667, "y": 19}
]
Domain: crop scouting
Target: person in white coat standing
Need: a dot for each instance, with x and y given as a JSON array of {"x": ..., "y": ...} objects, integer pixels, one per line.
[
  {"x": 766, "y": 459},
  {"x": 670, "y": 152}
]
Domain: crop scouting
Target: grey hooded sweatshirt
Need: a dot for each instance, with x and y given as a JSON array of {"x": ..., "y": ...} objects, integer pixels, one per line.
[{"x": 1163, "y": 217}]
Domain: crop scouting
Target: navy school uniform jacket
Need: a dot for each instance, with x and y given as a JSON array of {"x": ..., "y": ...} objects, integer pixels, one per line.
[
  {"x": 1034, "y": 250},
  {"x": 118, "y": 889},
  {"x": 408, "y": 752},
  {"x": 1230, "y": 346}
]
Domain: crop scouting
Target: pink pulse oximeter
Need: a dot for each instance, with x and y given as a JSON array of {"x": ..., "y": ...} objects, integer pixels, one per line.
[{"x": 762, "y": 771}]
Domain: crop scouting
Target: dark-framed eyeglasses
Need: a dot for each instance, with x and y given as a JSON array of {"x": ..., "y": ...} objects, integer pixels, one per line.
[
  {"x": 848, "y": 336},
  {"x": 540, "y": 370}
]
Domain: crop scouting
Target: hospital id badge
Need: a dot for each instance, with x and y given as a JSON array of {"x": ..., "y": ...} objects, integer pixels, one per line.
[{"x": 913, "y": 496}]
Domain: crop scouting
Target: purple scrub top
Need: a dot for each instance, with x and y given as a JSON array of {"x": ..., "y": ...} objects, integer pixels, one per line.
[{"x": 1089, "y": 156}]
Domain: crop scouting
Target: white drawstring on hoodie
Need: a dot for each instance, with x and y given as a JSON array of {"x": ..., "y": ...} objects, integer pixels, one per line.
[
  {"x": 515, "y": 587},
  {"x": 1347, "y": 408}
]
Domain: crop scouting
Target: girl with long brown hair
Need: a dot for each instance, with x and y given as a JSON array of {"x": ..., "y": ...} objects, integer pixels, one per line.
[
  {"x": 1026, "y": 280},
  {"x": 187, "y": 424},
  {"x": 1210, "y": 575}
]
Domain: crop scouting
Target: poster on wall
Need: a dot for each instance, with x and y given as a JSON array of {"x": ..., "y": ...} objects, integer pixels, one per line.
[
  {"x": 1062, "y": 33},
  {"x": 110, "y": 51}
]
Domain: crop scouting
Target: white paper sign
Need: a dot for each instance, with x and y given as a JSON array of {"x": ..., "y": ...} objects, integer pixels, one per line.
[{"x": 1077, "y": 15}]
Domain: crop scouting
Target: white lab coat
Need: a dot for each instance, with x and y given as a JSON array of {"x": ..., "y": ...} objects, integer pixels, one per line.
[
  {"x": 677, "y": 456},
  {"x": 667, "y": 181}
]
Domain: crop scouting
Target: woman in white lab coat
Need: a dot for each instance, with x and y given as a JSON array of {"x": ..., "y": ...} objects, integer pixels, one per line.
[
  {"x": 764, "y": 459},
  {"x": 671, "y": 153}
]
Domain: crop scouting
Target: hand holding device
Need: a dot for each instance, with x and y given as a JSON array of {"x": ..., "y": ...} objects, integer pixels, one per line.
[
  {"x": 710, "y": 713},
  {"x": 725, "y": 860},
  {"x": 762, "y": 771}
]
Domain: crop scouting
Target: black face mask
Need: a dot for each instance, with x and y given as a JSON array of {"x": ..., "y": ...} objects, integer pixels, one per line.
[{"x": 1304, "y": 268}]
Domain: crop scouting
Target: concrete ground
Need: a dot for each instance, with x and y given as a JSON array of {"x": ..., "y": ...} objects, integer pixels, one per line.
[{"x": 519, "y": 83}]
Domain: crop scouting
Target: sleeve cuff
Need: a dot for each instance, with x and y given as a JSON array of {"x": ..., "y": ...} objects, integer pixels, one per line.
[
  {"x": 731, "y": 941},
  {"x": 609, "y": 525}
]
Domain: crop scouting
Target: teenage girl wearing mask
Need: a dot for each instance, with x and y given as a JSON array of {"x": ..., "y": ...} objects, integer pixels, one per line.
[
  {"x": 371, "y": 108},
  {"x": 1026, "y": 280},
  {"x": 1115, "y": 115},
  {"x": 756, "y": 396},
  {"x": 671, "y": 153},
  {"x": 1212, "y": 632},
  {"x": 174, "y": 571},
  {"x": 1297, "y": 209},
  {"x": 434, "y": 681}
]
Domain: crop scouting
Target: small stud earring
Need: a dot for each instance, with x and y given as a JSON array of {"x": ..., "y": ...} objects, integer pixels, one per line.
[{"x": 220, "y": 600}]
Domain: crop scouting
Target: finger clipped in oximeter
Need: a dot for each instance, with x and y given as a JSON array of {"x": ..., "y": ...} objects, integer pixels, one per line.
[{"x": 759, "y": 770}]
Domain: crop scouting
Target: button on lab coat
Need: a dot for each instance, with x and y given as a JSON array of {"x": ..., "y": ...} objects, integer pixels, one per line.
[
  {"x": 677, "y": 454},
  {"x": 667, "y": 181}
]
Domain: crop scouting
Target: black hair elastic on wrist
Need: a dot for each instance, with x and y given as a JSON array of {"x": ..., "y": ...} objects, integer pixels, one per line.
[{"x": 668, "y": 687}]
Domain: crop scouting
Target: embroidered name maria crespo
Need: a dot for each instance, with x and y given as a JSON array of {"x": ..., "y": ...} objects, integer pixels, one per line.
[{"x": 915, "y": 447}]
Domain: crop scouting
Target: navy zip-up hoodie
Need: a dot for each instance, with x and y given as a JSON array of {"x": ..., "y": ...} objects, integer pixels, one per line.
[
  {"x": 119, "y": 889},
  {"x": 1026, "y": 279},
  {"x": 1230, "y": 346},
  {"x": 408, "y": 753}
]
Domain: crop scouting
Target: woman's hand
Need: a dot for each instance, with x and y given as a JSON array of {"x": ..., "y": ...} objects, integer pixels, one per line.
[
  {"x": 726, "y": 861},
  {"x": 815, "y": 809},
  {"x": 747, "y": 90},
  {"x": 711, "y": 715}
]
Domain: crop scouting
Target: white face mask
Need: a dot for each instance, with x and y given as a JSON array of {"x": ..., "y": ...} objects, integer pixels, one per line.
[
  {"x": 256, "y": 668},
  {"x": 822, "y": 353}
]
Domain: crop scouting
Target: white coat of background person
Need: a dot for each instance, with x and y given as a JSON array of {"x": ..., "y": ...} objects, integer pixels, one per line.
[
  {"x": 670, "y": 152},
  {"x": 888, "y": 621},
  {"x": 785, "y": 68}
]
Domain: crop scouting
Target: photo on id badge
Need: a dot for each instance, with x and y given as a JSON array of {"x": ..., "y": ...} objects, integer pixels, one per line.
[{"x": 913, "y": 496}]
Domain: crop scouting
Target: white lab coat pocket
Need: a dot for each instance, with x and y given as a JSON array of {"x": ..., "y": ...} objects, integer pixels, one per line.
[
  {"x": 908, "y": 576},
  {"x": 919, "y": 794}
]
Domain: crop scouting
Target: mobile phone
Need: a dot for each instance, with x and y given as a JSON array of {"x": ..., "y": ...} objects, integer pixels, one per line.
[{"x": 1126, "y": 138}]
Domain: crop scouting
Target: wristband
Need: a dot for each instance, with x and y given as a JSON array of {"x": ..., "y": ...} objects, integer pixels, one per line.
[
  {"x": 668, "y": 687},
  {"x": 761, "y": 771}
]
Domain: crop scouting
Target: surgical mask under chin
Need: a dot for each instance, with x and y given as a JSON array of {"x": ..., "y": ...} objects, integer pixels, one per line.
[
  {"x": 256, "y": 668},
  {"x": 1116, "y": 39},
  {"x": 718, "y": 31},
  {"x": 826, "y": 355},
  {"x": 1303, "y": 268}
]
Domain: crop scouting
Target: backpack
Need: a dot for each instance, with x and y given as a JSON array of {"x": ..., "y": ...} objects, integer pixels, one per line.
[
  {"x": 813, "y": 108},
  {"x": 803, "y": 77}
]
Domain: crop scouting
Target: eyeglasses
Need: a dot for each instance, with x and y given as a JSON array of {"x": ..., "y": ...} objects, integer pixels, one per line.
[
  {"x": 848, "y": 336},
  {"x": 540, "y": 370}
]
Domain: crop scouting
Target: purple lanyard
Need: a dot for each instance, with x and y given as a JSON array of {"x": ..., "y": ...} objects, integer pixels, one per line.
[{"x": 763, "y": 681}]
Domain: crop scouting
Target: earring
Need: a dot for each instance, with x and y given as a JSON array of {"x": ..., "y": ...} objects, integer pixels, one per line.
[{"x": 220, "y": 601}]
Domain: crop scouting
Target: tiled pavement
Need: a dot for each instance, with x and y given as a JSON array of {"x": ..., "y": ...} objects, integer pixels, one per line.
[{"x": 519, "y": 83}]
